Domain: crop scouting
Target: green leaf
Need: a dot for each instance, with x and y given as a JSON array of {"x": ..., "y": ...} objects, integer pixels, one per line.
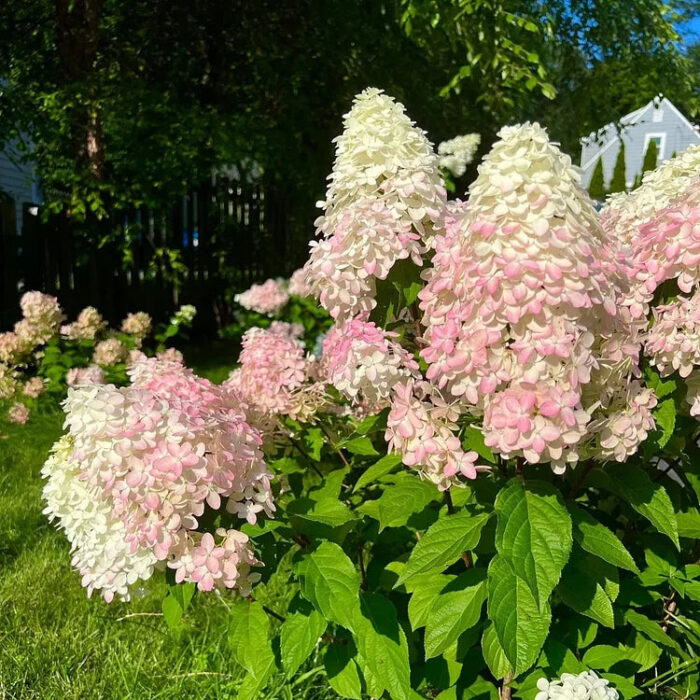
[
  {"x": 598, "y": 540},
  {"x": 382, "y": 645},
  {"x": 377, "y": 470},
  {"x": 588, "y": 587},
  {"x": 314, "y": 439},
  {"x": 665, "y": 416},
  {"x": 443, "y": 542},
  {"x": 360, "y": 446},
  {"x": 455, "y": 611},
  {"x": 474, "y": 440},
  {"x": 342, "y": 672},
  {"x": 649, "y": 499},
  {"x": 409, "y": 494},
  {"x": 603, "y": 656},
  {"x": 172, "y": 612},
  {"x": 521, "y": 624},
  {"x": 624, "y": 686},
  {"x": 329, "y": 511},
  {"x": 652, "y": 630},
  {"x": 426, "y": 588},
  {"x": 494, "y": 656},
  {"x": 249, "y": 639},
  {"x": 331, "y": 583},
  {"x": 298, "y": 638},
  {"x": 533, "y": 534}
]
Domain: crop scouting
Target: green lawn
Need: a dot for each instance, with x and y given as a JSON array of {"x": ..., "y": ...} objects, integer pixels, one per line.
[{"x": 57, "y": 643}]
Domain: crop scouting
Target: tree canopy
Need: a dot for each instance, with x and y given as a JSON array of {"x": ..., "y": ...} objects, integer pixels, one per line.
[{"x": 132, "y": 102}]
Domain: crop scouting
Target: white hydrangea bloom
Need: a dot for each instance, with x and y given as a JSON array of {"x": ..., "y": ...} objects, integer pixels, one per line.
[
  {"x": 455, "y": 154},
  {"x": 385, "y": 200},
  {"x": 100, "y": 552},
  {"x": 625, "y": 212},
  {"x": 584, "y": 686}
]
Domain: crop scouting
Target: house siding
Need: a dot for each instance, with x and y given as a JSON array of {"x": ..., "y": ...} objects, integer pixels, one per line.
[
  {"x": 636, "y": 128},
  {"x": 19, "y": 181}
]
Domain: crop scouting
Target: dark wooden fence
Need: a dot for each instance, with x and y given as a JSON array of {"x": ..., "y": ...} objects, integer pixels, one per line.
[{"x": 227, "y": 235}]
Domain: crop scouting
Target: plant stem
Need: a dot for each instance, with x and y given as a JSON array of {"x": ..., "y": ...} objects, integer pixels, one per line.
[
  {"x": 579, "y": 482},
  {"x": 506, "y": 690},
  {"x": 333, "y": 445},
  {"x": 304, "y": 453}
]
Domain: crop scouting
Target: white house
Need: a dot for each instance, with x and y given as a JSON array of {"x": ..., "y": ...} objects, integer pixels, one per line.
[
  {"x": 659, "y": 120},
  {"x": 19, "y": 187}
]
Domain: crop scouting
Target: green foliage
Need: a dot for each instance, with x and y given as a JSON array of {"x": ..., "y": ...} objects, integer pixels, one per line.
[
  {"x": 597, "y": 187},
  {"x": 618, "y": 183}
]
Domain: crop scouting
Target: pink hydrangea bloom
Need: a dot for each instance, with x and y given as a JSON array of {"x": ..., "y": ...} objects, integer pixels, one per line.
[
  {"x": 8, "y": 381},
  {"x": 87, "y": 326},
  {"x": 673, "y": 343},
  {"x": 364, "y": 363},
  {"x": 268, "y": 298},
  {"x": 11, "y": 348},
  {"x": 422, "y": 428},
  {"x": 85, "y": 376},
  {"x": 18, "y": 413},
  {"x": 42, "y": 319},
  {"x": 137, "y": 324},
  {"x": 34, "y": 387},
  {"x": 520, "y": 305},
  {"x": 275, "y": 376},
  {"x": 109, "y": 352},
  {"x": 298, "y": 285},
  {"x": 139, "y": 467}
]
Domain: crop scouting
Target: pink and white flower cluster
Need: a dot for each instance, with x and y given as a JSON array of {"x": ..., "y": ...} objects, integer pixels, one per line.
[
  {"x": 267, "y": 298},
  {"x": 82, "y": 376},
  {"x": 422, "y": 428},
  {"x": 383, "y": 204},
  {"x": 138, "y": 325},
  {"x": 520, "y": 303},
  {"x": 41, "y": 319},
  {"x": 364, "y": 363},
  {"x": 139, "y": 467},
  {"x": 87, "y": 326},
  {"x": 276, "y": 376}
]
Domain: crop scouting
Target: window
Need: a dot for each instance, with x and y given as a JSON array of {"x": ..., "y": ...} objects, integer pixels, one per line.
[{"x": 660, "y": 140}]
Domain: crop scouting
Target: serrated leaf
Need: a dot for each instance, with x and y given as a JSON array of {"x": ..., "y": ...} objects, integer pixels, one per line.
[
  {"x": 426, "y": 588},
  {"x": 443, "y": 542},
  {"x": 455, "y": 611},
  {"x": 360, "y": 446},
  {"x": 382, "y": 645},
  {"x": 331, "y": 583},
  {"x": 172, "y": 612},
  {"x": 624, "y": 686},
  {"x": 494, "y": 656},
  {"x": 380, "y": 468},
  {"x": 342, "y": 672},
  {"x": 652, "y": 630},
  {"x": 314, "y": 439},
  {"x": 603, "y": 656},
  {"x": 533, "y": 534},
  {"x": 649, "y": 499},
  {"x": 596, "y": 539},
  {"x": 665, "y": 417},
  {"x": 248, "y": 635},
  {"x": 298, "y": 638},
  {"x": 521, "y": 624},
  {"x": 329, "y": 511},
  {"x": 408, "y": 495},
  {"x": 583, "y": 588},
  {"x": 561, "y": 659}
]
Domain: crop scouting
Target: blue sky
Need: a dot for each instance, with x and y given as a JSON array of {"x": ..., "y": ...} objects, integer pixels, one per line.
[{"x": 691, "y": 30}]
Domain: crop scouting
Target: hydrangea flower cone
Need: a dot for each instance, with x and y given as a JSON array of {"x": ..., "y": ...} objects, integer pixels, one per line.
[{"x": 520, "y": 304}]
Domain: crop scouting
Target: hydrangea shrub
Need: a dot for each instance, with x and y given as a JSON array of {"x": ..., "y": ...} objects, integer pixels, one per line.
[
  {"x": 486, "y": 483},
  {"x": 44, "y": 356}
]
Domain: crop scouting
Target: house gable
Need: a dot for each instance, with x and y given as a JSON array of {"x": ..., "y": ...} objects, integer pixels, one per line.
[{"x": 659, "y": 120}]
